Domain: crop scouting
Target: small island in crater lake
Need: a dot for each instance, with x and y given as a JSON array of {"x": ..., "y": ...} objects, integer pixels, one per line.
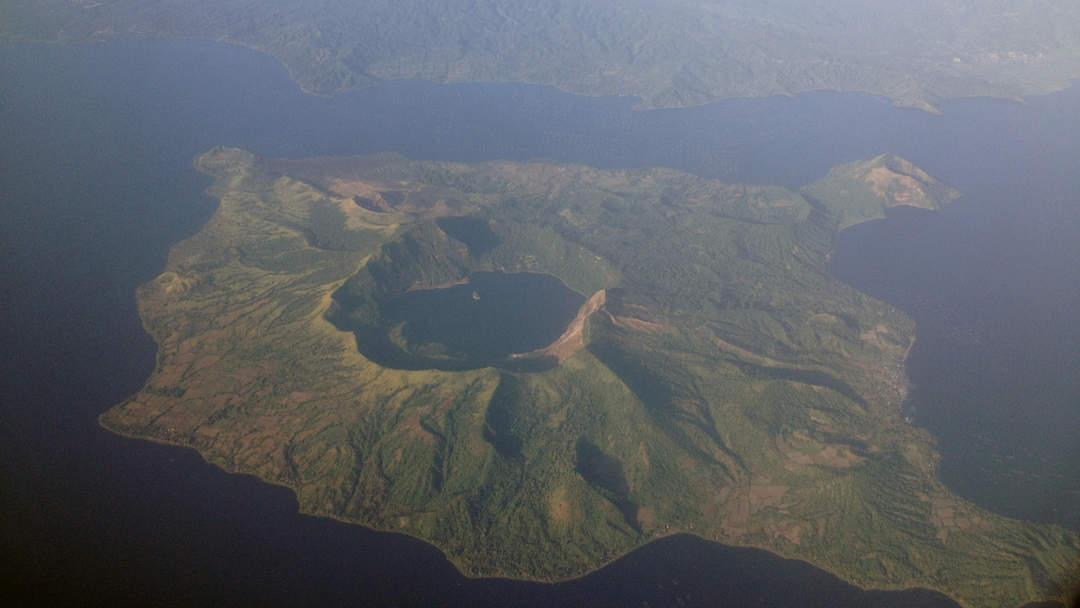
[{"x": 538, "y": 368}]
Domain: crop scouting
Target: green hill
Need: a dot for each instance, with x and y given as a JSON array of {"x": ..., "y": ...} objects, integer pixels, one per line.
[
  {"x": 716, "y": 379},
  {"x": 863, "y": 190}
]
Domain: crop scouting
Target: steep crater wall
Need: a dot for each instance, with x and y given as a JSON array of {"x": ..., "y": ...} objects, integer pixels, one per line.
[{"x": 466, "y": 292}]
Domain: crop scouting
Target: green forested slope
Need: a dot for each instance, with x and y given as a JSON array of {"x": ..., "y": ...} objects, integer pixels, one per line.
[
  {"x": 668, "y": 52},
  {"x": 862, "y": 190}
]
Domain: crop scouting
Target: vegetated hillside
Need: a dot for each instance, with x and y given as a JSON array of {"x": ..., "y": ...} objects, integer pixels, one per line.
[
  {"x": 716, "y": 381},
  {"x": 863, "y": 190},
  {"x": 668, "y": 52}
]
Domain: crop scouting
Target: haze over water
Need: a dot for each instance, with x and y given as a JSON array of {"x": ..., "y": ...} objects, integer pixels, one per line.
[{"x": 96, "y": 183}]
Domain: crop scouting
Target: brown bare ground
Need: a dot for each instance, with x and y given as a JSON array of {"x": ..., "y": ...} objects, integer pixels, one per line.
[
  {"x": 203, "y": 363},
  {"x": 246, "y": 375},
  {"x": 636, "y": 324},
  {"x": 736, "y": 513},
  {"x": 896, "y": 188},
  {"x": 352, "y": 187},
  {"x": 874, "y": 336},
  {"x": 646, "y": 517},
  {"x": 949, "y": 515},
  {"x": 421, "y": 287},
  {"x": 790, "y": 531},
  {"x": 168, "y": 375},
  {"x": 833, "y": 455},
  {"x": 559, "y": 507},
  {"x": 298, "y": 397},
  {"x": 416, "y": 430},
  {"x": 766, "y": 495}
]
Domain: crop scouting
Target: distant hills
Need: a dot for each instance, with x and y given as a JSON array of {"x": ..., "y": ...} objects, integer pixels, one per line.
[
  {"x": 669, "y": 53},
  {"x": 715, "y": 379}
]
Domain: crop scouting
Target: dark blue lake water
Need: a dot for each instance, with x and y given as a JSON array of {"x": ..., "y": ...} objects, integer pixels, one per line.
[
  {"x": 474, "y": 325},
  {"x": 96, "y": 145}
]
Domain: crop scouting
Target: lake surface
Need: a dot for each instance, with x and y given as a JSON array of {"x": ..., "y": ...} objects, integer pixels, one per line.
[
  {"x": 96, "y": 184},
  {"x": 490, "y": 317}
]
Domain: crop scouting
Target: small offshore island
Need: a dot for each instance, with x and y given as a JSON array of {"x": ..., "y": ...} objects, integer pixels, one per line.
[{"x": 698, "y": 370}]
